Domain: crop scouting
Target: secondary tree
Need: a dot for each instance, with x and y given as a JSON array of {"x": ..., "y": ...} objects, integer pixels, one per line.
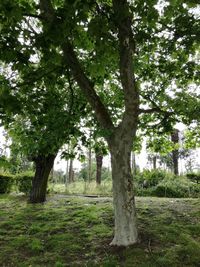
[{"x": 47, "y": 119}]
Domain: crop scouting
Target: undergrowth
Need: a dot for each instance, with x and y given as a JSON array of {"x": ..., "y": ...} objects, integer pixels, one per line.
[
  {"x": 83, "y": 188},
  {"x": 76, "y": 231}
]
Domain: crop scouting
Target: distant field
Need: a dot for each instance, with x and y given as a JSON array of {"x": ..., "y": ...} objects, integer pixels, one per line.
[{"x": 76, "y": 231}]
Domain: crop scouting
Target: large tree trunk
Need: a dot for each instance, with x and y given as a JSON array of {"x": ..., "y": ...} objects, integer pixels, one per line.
[
  {"x": 99, "y": 163},
  {"x": 133, "y": 161},
  {"x": 123, "y": 195},
  {"x": 44, "y": 165}
]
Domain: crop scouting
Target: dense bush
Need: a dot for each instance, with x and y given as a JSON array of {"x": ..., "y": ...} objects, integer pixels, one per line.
[
  {"x": 6, "y": 182},
  {"x": 178, "y": 187},
  {"x": 162, "y": 184},
  {"x": 195, "y": 177},
  {"x": 149, "y": 178},
  {"x": 194, "y": 190},
  {"x": 144, "y": 192},
  {"x": 24, "y": 182},
  {"x": 170, "y": 189}
]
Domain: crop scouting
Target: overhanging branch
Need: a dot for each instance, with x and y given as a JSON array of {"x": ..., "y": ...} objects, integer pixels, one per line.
[
  {"x": 33, "y": 16},
  {"x": 86, "y": 86},
  {"x": 149, "y": 111},
  {"x": 73, "y": 63},
  {"x": 155, "y": 109}
]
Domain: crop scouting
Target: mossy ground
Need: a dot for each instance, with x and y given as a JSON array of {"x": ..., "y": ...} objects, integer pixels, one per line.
[{"x": 76, "y": 231}]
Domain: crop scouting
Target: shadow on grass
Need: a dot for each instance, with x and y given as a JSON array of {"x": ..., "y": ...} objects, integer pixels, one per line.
[{"x": 70, "y": 231}]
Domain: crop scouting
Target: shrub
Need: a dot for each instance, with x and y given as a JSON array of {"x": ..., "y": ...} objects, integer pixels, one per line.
[
  {"x": 6, "y": 182},
  {"x": 162, "y": 184},
  {"x": 195, "y": 177},
  {"x": 177, "y": 187},
  {"x": 169, "y": 190},
  {"x": 24, "y": 182},
  {"x": 149, "y": 178},
  {"x": 194, "y": 190},
  {"x": 144, "y": 192}
]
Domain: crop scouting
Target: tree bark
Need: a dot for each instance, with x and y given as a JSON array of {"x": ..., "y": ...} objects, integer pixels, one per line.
[
  {"x": 67, "y": 173},
  {"x": 154, "y": 162},
  {"x": 89, "y": 164},
  {"x": 99, "y": 163},
  {"x": 71, "y": 172},
  {"x": 123, "y": 196},
  {"x": 44, "y": 165},
  {"x": 134, "y": 167},
  {"x": 175, "y": 152},
  {"x": 175, "y": 162}
]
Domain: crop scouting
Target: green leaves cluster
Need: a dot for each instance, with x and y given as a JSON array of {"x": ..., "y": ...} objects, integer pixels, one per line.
[{"x": 165, "y": 65}]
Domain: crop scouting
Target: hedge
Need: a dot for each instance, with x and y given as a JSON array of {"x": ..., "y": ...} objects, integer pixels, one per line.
[
  {"x": 6, "y": 182},
  {"x": 195, "y": 177},
  {"x": 24, "y": 182}
]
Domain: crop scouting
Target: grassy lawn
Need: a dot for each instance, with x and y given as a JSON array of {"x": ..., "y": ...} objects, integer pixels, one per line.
[{"x": 76, "y": 231}]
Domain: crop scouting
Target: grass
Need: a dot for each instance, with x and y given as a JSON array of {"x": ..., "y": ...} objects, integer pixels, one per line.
[
  {"x": 81, "y": 187},
  {"x": 76, "y": 231}
]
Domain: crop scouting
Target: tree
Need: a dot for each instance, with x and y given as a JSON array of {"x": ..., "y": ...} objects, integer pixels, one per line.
[
  {"x": 162, "y": 147},
  {"x": 100, "y": 152},
  {"x": 118, "y": 52},
  {"x": 175, "y": 151},
  {"x": 71, "y": 171},
  {"x": 47, "y": 119}
]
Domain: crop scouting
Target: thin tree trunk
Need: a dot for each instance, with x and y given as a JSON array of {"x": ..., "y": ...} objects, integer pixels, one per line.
[
  {"x": 154, "y": 162},
  {"x": 89, "y": 164},
  {"x": 99, "y": 162},
  {"x": 175, "y": 152},
  {"x": 123, "y": 198},
  {"x": 44, "y": 165},
  {"x": 67, "y": 173},
  {"x": 175, "y": 162},
  {"x": 71, "y": 174}
]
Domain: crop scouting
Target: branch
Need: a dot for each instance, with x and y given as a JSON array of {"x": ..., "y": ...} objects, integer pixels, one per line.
[
  {"x": 31, "y": 81},
  {"x": 33, "y": 16},
  {"x": 82, "y": 80},
  {"x": 156, "y": 108},
  {"x": 87, "y": 87},
  {"x": 126, "y": 50},
  {"x": 32, "y": 29},
  {"x": 101, "y": 11},
  {"x": 47, "y": 10},
  {"x": 149, "y": 111}
]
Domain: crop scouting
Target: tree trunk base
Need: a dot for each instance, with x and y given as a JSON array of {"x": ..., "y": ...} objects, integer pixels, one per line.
[
  {"x": 123, "y": 243},
  {"x": 37, "y": 200},
  {"x": 44, "y": 165}
]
